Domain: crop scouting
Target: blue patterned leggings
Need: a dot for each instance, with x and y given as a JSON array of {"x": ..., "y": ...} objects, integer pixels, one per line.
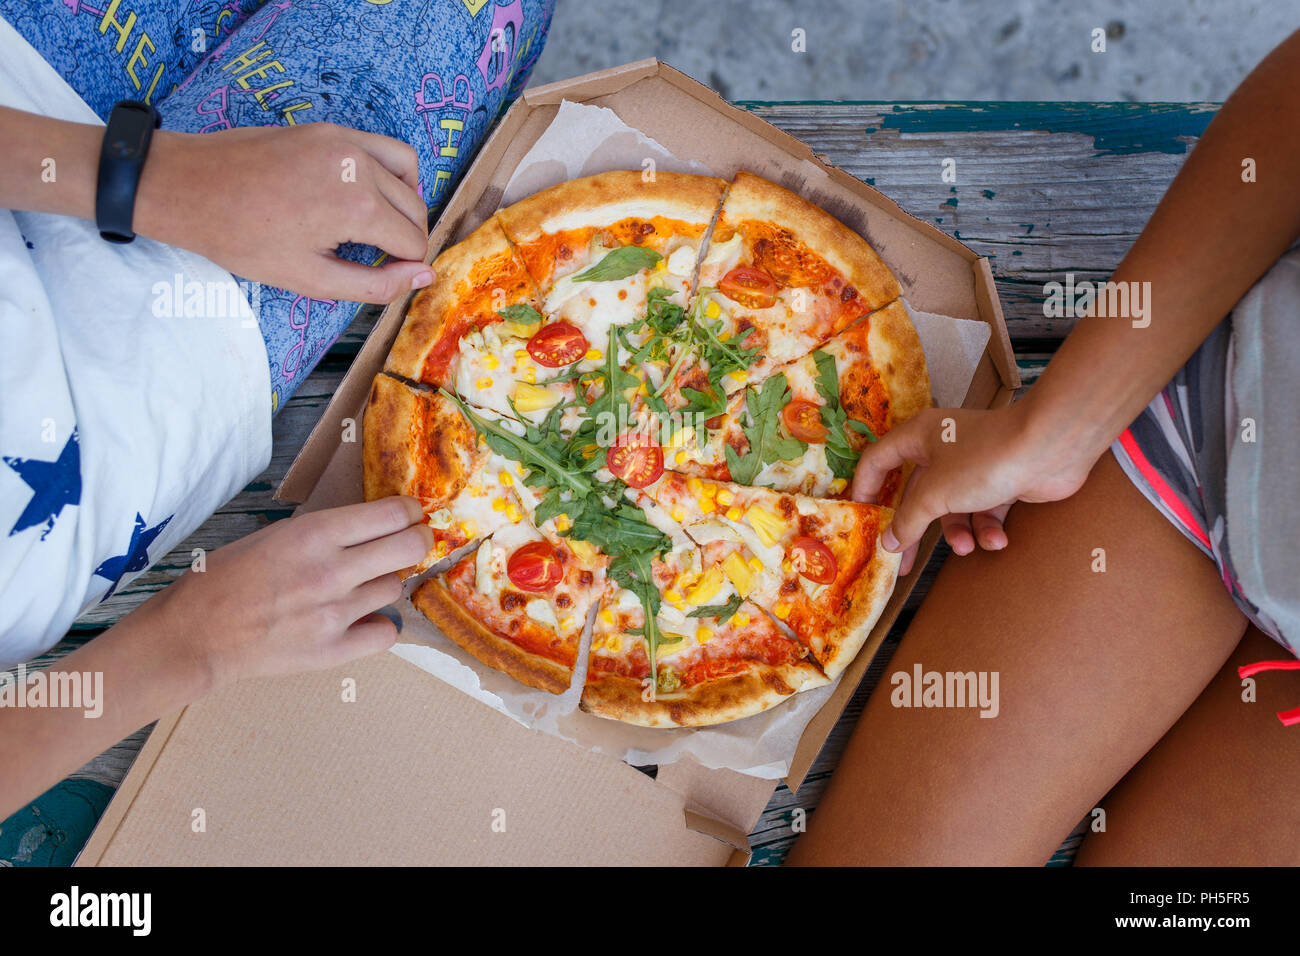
[{"x": 433, "y": 73}]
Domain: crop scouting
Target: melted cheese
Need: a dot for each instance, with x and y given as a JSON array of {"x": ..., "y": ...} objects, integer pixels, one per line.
[
  {"x": 595, "y": 306},
  {"x": 809, "y": 475}
]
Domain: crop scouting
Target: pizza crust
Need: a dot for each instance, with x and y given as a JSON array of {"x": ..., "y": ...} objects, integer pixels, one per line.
[
  {"x": 414, "y": 443},
  {"x": 606, "y": 198},
  {"x": 868, "y": 596},
  {"x": 752, "y": 197},
  {"x": 711, "y": 702},
  {"x": 434, "y": 601},
  {"x": 897, "y": 356}
]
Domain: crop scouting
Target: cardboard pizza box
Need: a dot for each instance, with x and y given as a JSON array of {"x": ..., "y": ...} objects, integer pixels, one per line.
[{"x": 378, "y": 762}]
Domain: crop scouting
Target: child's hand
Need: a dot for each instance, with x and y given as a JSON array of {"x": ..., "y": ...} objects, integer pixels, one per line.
[
  {"x": 299, "y": 594},
  {"x": 971, "y": 466},
  {"x": 271, "y": 204}
]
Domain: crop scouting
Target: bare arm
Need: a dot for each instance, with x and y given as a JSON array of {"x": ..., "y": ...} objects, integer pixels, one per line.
[
  {"x": 266, "y": 203},
  {"x": 297, "y": 595},
  {"x": 1212, "y": 236}
]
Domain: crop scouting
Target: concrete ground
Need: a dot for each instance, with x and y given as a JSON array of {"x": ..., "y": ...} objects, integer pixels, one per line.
[{"x": 1179, "y": 50}]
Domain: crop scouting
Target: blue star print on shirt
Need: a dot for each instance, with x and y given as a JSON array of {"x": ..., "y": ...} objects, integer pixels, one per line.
[
  {"x": 57, "y": 485},
  {"x": 137, "y": 554}
]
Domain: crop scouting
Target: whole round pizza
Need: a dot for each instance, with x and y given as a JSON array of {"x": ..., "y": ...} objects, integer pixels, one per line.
[{"x": 631, "y": 406}]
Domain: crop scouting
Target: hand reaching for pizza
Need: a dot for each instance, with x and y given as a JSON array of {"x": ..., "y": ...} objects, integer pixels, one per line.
[
  {"x": 271, "y": 204},
  {"x": 299, "y": 594},
  {"x": 971, "y": 467}
]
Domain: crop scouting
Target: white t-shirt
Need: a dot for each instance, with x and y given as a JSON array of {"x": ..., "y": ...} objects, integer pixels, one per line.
[{"x": 124, "y": 423}]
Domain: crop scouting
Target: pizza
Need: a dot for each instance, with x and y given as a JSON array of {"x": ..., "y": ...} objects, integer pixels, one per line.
[{"x": 630, "y": 406}]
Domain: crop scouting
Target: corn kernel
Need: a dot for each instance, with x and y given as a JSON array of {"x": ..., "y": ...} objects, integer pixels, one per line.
[
  {"x": 680, "y": 458},
  {"x": 484, "y": 382},
  {"x": 702, "y": 634},
  {"x": 614, "y": 643},
  {"x": 607, "y": 615},
  {"x": 562, "y": 522},
  {"x": 756, "y": 564},
  {"x": 712, "y": 310},
  {"x": 695, "y": 486},
  {"x": 738, "y": 573},
  {"x": 678, "y": 513},
  {"x": 741, "y": 618},
  {"x": 499, "y": 504},
  {"x": 530, "y": 375},
  {"x": 441, "y": 549},
  {"x": 521, "y": 355},
  {"x": 707, "y": 506},
  {"x": 672, "y": 596},
  {"x": 469, "y": 527},
  {"x": 733, "y": 513},
  {"x": 787, "y": 566},
  {"x": 725, "y": 497},
  {"x": 740, "y": 375},
  {"x": 782, "y": 611},
  {"x": 680, "y": 605},
  {"x": 710, "y": 490},
  {"x": 594, "y": 355},
  {"x": 506, "y": 478},
  {"x": 512, "y": 512},
  {"x": 707, "y": 588},
  {"x": 491, "y": 362}
]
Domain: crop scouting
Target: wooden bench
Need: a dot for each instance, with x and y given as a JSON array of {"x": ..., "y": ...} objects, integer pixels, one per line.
[{"x": 1042, "y": 189}]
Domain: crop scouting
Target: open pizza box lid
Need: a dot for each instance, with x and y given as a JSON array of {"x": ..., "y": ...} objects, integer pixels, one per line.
[{"x": 378, "y": 762}]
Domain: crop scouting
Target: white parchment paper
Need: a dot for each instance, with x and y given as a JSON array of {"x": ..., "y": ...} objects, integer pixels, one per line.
[{"x": 583, "y": 140}]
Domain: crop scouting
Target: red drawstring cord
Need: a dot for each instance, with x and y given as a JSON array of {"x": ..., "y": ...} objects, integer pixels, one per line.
[{"x": 1288, "y": 717}]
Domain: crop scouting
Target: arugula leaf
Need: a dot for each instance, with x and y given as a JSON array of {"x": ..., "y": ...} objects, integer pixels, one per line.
[
  {"x": 634, "y": 572},
  {"x": 862, "y": 428},
  {"x": 723, "y": 612},
  {"x": 766, "y": 441},
  {"x": 840, "y": 456},
  {"x": 521, "y": 313},
  {"x": 541, "y": 457},
  {"x": 619, "y": 264}
]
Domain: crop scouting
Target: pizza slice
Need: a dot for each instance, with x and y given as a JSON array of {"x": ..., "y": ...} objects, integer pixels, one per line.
[
  {"x": 855, "y": 388},
  {"x": 815, "y": 565},
  {"x": 519, "y": 604},
  {"x": 596, "y": 247},
  {"x": 419, "y": 443},
  {"x": 705, "y": 656},
  {"x": 712, "y": 670},
  {"x": 782, "y": 276},
  {"x": 479, "y": 283}
]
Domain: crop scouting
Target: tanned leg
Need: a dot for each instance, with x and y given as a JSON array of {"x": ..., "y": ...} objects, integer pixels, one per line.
[
  {"x": 1220, "y": 788},
  {"x": 1094, "y": 668}
]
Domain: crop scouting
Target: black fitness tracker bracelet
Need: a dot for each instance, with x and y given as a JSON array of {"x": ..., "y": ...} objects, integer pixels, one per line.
[{"x": 121, "y": 160}]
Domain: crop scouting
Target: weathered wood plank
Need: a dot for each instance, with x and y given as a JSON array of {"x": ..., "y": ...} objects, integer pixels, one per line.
[{"x": 1041, "y": 189}]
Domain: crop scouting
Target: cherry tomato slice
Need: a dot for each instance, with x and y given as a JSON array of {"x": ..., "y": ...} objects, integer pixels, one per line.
[
  {"x": 557, "y": 345},
  {"x": 752, "y": 288},
  {"x": 803, "y": 419},
  {"x": 813, "y": 560},
  {"x": 636, "y": 462},
  {"x": 535, "y": 567}
]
